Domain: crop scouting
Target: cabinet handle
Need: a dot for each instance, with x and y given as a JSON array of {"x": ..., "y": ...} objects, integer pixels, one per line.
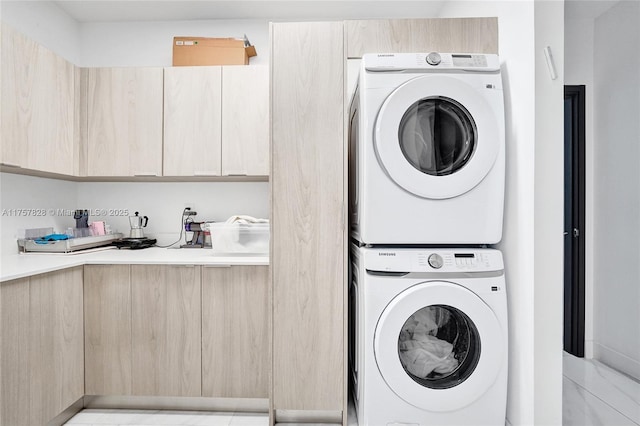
[
  {"x": 235, "y": 174},
  {"x": 206, "y": 173},
  {"x": 11, "y": 165},
  {"x": 145, "y": 174}
]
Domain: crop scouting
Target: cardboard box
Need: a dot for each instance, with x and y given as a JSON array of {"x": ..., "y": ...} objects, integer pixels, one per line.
[{"x": 211, "y": 51}]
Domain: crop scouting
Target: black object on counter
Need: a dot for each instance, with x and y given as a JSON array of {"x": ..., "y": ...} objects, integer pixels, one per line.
[{"x": 135, "y": 243}]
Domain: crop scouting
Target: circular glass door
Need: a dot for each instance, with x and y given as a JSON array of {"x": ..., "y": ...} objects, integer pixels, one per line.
[
  {"x": 436, "y": 136},
  {"x": 439, "y": 346}
]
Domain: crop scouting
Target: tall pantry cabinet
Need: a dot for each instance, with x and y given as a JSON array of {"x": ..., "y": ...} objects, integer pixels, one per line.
[{"x": 308, "y": 256}]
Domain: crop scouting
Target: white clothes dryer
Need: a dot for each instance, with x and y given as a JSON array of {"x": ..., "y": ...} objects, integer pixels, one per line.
[
  {"x": 429, "y": 336},
  {"x": 427, "y": 149}
]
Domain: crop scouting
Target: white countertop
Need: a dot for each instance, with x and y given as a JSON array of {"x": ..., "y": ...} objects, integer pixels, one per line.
[{"x": 25, "y": 265}]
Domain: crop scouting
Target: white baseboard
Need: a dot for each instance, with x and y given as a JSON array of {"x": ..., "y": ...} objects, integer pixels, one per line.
[{"x": 616, "y": 360}]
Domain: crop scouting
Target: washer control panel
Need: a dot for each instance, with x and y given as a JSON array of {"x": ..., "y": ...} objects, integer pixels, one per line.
[{"x": 433, "y": 260}]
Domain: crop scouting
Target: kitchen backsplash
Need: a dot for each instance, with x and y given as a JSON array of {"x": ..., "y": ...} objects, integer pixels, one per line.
[{"x": 32, "y": 202}]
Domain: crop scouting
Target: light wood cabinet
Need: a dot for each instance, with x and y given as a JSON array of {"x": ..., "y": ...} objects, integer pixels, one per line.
[
  {"x": 42, "y": 346},
  {"x": 307, "y": 211},
  {"x": 142, "y": 330},
  {"x": 216, "y": 121},
  {"x": 235, "y": 332},
  {"x": 192, "y": 121},
  {"x": 245, "y": 120},
  {"x": 107, "y": 319},
  {"x": 166, "y": 319},
  {"x": 14, "y": 353},
  {"x": 124, "y": 121},
  {"x": 56, "y": 343},
  {"x": 37, "y": 107},
  {"x": 464, "y": 35}
]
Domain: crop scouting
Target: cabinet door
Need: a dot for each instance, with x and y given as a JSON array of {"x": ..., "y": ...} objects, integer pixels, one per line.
[
  {"x": 308, "y": 208},
  {"x": 245, "y": 120},
  {"x": 166, "y": 315},
  {"x": 56, "y": 354},
  {"x": 14, "y": 353},
  {"x": 107, "y": 322},
  {"x": 192, "y": 127},
  {"x": 235, "y": 332},
  {"x": 124, "y": 119},
  {"x": 477, "y": 35},
  {"x": 37, "y": 106}
]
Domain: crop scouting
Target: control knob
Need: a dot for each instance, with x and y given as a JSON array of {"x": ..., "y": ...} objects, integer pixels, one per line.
[
  {"x": 433, "y": 58},
  {"x": 435, "y": 261}
]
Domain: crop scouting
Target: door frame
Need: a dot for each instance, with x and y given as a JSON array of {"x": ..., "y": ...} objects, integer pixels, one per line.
[{"x": 575, "y": 307}]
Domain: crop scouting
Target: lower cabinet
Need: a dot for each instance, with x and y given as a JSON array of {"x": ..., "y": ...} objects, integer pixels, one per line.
[
  {"x": 157, "y": 330},
  {"x": 142, "y": 330},
  {"x": 235, "y": 332},
  {"x": 166, "y": 320},
  {"x": 42, "y": 362}
]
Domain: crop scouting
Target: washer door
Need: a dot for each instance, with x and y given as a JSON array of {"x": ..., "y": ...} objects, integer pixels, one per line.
[
  {"x": 438, "y": 346},
  {"x": 436, "y": 136}
]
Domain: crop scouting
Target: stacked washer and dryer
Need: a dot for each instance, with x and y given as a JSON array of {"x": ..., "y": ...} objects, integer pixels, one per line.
[{"x": 428, "y": 308}]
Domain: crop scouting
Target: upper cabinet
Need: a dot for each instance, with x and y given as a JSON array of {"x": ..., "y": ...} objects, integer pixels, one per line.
[
  {"x": 216, "y": 121},
  {"x": 470, "y": 35},
  {"x": 245, "y": 121},
  {"x": 124, "y": 122},
  {"x": 37, "y": 107},
  {"x": 192, "y": 121}
]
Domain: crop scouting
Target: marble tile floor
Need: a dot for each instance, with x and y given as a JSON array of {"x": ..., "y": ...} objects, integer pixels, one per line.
[
  {"x": 594, "y": 394},
  {"x": 112, "y": 417}
]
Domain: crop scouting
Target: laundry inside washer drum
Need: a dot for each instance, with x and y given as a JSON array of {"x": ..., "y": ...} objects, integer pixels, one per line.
[
  {"x": 439, "y": 346},
  {"x": 437, "y": 135}
]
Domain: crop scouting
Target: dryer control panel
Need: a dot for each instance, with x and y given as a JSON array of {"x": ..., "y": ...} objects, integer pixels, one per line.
[
  {"x": 431, "y": 61},
  {"x": 408, "y": 260}
]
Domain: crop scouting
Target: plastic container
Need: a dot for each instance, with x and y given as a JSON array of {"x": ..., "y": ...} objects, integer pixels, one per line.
[{"x": 239, "y": 238}]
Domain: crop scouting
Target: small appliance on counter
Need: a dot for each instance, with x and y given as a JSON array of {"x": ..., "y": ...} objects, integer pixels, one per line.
[
  {"x": 137, "y": 223},
  {"x": 134, "y": 243}
]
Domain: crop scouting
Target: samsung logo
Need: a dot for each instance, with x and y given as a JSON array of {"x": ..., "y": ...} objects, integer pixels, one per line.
[
  {"x": 386, "y": 55},
  {"x": 386, "y": 254}
]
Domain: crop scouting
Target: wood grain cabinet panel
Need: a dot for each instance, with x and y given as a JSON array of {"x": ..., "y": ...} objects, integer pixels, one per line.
[
  {"x": 42, "y": 360},
  {"x": 38, "y": 106},
  {"x": 192, "y": 121},
  {"x": 107, "y": 319},
  {"x": 464, "y": 35},
  {"x": 56, "y": 354},
  {"x": 166, "y": 321},
  {"x": 245, "y": 120},
  {"x": 235, "y": 332},
  {"x": 307, "y": 210},
  {"x": 14, "y": 353},
  {"x": 124, "y": 121}
]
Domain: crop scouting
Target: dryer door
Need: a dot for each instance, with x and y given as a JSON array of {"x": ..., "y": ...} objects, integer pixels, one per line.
[
  {"x": 439, "y": 356},
  {"x": 436, "y": 136}
]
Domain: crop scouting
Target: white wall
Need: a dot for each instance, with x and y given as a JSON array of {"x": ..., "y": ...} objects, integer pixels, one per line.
[
  {"x": 549, "y": 214},
  {"x": 579, "y": 71},
  {"x": 150, "y": 43},
  {"x": 617, "y": 188},
  {"x": 163, "y": 203},
  {"x": 27, "y": 192},
  {"x": 45, "y": 23}
]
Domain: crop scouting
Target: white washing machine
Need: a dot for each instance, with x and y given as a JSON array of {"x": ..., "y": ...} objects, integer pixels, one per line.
[
  {"x": 428, "y": 336},
  {"x": 427, "y": 149}
]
